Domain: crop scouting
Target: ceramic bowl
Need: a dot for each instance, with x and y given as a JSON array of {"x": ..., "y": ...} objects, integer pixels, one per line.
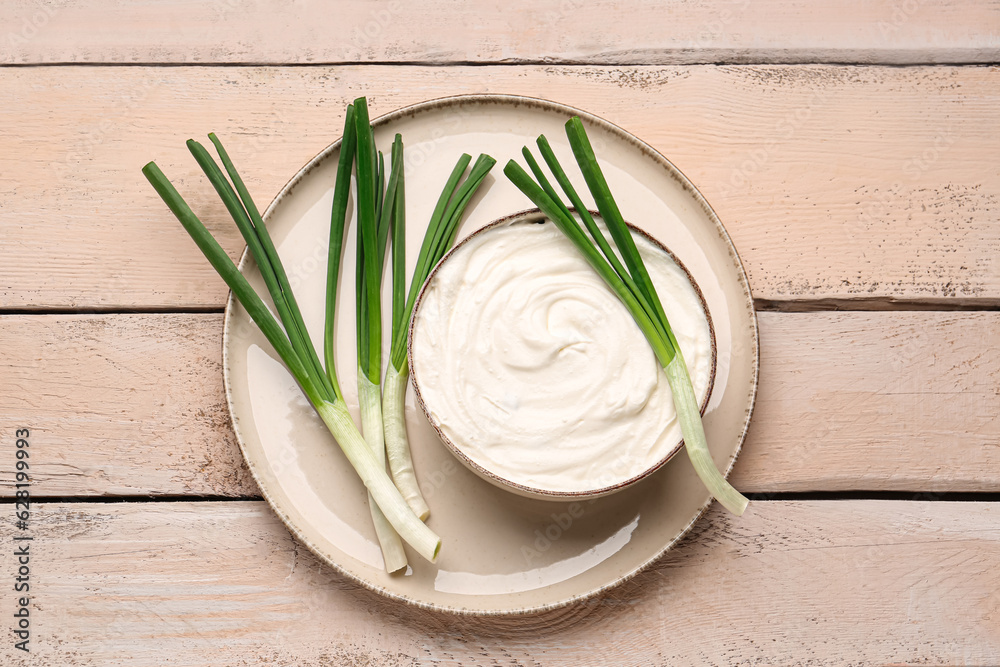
[{"x": 425, "y": 367}]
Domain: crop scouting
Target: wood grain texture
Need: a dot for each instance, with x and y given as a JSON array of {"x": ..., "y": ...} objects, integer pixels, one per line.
[
  {"x": 120, "y": 405},
  {"x": 838, "y": 183},
  {"x": 819, "y": 583},
  {"x": 890, "y": 401},
  {"x": 445, "y": 31}
]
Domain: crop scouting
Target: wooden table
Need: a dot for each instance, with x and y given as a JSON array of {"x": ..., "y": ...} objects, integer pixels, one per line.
[{"x": 851, "y": 149}]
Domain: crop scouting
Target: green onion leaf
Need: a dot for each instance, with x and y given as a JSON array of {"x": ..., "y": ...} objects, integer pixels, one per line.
[
  {"x": 440, "y": 235},
  {"x": 338, "y": 221},
  {"x": 370, "y": 270},
  {"x": 630, "y": 281},
  {"x": 236, "y": 281},
  {"x": 290, "y": 339},
  {"x": 569, "y": 226}
]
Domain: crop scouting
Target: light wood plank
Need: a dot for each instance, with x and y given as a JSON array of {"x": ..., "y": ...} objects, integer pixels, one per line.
[
  {"x": 120, "y": 405},
  {"x": 835, "y": 182},
  {"x": 890, "y": 401},
  {"x": 604, "y": 31},
  {"x": 824, "y": 583}
]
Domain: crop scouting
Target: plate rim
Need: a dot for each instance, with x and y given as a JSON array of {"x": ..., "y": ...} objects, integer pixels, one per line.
[{"x": 546, "y": 105}]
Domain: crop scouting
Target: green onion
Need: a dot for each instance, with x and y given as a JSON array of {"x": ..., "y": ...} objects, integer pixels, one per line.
[
  {"x": 290, "y": 339},
  {"x": 630, "y": 281},
  {"x": 338, "y": 220},
  {"x": 440, "y": 235},
  {"x": 374, "y": 216}
]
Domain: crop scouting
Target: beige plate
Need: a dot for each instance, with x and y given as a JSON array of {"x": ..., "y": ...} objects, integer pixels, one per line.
[{"x": 502, "y": 553}]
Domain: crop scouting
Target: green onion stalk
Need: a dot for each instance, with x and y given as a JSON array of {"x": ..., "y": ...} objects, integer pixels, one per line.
[
  {"x": 439, "y": 237},
  {"x": 290, "y": 338},
  {"x": 630, "y": 281},
  {"x": 376, "y": 208}
]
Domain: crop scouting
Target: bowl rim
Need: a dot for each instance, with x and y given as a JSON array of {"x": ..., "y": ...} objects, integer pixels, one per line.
[{"x": 535, "y": 216}]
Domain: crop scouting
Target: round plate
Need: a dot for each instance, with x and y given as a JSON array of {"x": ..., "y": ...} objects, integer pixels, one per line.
[{"x": 502, "y": 553}]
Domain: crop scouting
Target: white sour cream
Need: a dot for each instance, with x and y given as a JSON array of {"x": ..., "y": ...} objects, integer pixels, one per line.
[{"x": 531, "y": 366}]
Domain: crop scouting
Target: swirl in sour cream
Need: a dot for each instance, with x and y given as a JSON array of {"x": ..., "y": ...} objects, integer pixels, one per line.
[{"x": 531, "y": 366}]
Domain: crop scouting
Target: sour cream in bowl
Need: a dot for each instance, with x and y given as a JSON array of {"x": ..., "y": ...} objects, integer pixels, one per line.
[{"x": 535, "y": 375}]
